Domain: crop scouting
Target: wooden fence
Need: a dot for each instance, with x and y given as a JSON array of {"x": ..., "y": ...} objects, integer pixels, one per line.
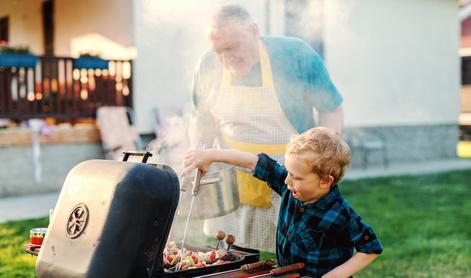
[{"x": 56, "y": 88}]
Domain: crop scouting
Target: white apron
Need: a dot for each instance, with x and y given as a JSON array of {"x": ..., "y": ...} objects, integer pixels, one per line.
[{"x": 251, "y": 119}]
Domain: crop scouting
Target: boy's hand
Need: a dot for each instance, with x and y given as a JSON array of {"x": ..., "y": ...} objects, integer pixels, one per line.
[
  {"x": 196, "y": 159},
  {"x": 353, "y": 265},
  {"x": 332, "y": 274}
]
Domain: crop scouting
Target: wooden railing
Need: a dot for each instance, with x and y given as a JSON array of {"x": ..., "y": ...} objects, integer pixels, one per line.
[{"x": 56, "y": 88}]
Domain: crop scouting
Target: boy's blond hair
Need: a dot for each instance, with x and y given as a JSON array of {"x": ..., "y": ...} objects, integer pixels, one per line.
[{"x": 323, "y": 149}]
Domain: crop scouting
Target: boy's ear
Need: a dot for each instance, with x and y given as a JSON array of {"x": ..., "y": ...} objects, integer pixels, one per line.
[{"x": 326, "y": 181}]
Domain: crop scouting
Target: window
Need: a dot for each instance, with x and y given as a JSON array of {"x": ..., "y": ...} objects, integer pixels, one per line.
[
  {"x": 48, "y": 26},
  {"x": 4, "y": 22},
  {"x": 465, "y": 70}
]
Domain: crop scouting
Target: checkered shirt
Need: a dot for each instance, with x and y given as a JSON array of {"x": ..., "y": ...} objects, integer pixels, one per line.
[{"x": 322, "y": 235}]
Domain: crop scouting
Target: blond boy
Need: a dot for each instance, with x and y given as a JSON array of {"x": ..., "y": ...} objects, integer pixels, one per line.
[{"x": 316, "y": 225}]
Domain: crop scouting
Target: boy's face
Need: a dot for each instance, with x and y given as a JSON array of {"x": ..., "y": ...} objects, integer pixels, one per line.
[{"x": 304, "y": 184}]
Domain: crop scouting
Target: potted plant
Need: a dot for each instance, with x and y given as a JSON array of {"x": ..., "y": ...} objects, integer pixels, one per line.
[
  {"x": 16, "y": 56},
  {"x": 90, "y": 61}
]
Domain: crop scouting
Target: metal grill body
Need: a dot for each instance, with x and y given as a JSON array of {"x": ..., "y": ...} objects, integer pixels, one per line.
[{"x": 112, "y": 219}]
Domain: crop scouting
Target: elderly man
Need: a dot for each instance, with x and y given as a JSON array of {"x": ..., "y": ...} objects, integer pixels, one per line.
[{"x": 252, "y": 93}]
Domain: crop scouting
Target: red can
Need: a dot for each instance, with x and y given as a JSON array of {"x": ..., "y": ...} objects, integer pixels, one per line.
[{"x": 36, "y": 235}]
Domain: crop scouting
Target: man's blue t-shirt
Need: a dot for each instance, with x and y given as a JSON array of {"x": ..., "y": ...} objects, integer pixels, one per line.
[{"x": 300, "y": 79}]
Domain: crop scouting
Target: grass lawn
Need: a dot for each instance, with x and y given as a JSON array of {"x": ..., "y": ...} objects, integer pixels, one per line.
[
  {"x": 422, "y": 221},
  {"x": 14, "y": 262}
]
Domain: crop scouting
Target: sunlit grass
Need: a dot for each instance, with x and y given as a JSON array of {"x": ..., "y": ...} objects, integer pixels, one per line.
[
  {"x": 422, "y": 221},
  {"x": 14, "y": 262}
]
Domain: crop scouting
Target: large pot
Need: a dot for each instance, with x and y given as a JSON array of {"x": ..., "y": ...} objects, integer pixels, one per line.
[{"x": 218, "y": 194}]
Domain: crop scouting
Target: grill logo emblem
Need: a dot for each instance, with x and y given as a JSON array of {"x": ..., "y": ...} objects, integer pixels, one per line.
[{"x": 77, "y": 222}]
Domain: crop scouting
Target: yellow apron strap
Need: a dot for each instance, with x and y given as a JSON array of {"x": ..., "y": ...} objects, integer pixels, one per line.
[
  {"x": 226, "y": 78},
  {"x": 265, "y": 66},
  {"x": 255, "y": 148},
  {"x": 253, "y": 191}
]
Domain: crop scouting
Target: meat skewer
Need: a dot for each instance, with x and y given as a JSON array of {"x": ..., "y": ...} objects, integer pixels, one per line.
[
  {"x": 220, "y": 236},
  {"x": 230, "y": 239},
  {"x": 283, "y": 270},
  {"x": 252, "y": 266}
]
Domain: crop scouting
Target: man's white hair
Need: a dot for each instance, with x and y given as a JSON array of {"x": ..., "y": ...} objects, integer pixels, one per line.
[{"x": 231, "y": 12}]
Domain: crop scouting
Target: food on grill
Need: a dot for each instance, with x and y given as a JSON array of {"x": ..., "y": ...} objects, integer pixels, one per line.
[
  {"x": 230, "y": 239},
  {"x": 173, "y": 261},
  {"x": 220, "y": 236},
  {"x": 229, "y": 256}
]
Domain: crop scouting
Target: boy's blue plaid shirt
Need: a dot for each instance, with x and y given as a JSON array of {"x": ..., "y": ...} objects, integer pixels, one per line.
[{"x": 322, "y": 234}]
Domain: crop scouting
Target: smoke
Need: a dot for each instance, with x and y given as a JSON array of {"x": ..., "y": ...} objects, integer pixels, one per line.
[
  {"x": 182, "y": 27},
  {"x": 172, "y": 141},
  {"x": 305, "y": 19},
  {"x": 179, "y": 33},
  {"x": 174, "y": 34}
]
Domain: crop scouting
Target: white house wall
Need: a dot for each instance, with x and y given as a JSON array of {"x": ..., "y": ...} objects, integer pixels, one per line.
[
  {"x": 103, "y": 27},
  {"x": 25, "y": 23},
  {"x": 169, "y": 37},
  {"x": 396, "y": 62}
]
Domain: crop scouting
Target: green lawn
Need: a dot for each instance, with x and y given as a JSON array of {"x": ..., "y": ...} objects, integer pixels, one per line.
[
  {"x": 422, "y": 221},
  {"x": 14, "y": 262}
]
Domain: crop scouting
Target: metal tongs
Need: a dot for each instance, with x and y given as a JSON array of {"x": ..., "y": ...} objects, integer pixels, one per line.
[
  {"x": 199, "y": 174},
  {"x": 194, "y": 192}
]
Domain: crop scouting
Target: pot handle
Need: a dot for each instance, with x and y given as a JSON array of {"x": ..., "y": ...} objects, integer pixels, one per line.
[
  {"x": 145, "y": 155},
  {"x": 208, "y": 181},
  {"x": 196, "y": 182}
]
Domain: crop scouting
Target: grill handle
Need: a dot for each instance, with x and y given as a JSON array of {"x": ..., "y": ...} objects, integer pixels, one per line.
[{"x": 145, "y": 155}]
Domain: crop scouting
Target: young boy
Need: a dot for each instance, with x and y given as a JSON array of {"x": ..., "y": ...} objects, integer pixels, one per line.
[{"x": 316, "y": 225}]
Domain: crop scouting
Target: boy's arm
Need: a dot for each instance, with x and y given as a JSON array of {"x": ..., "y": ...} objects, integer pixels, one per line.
[
  {"x": 270, "y": 171},
  {"x": 263, "y": 167},
  {"x": 201, "y": 159},
  {"x": 353, "y": 265},
  {"x": 366, "y": 244}
]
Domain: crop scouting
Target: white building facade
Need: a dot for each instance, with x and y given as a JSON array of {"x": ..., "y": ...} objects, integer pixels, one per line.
[{"x": 396, "y": 63}]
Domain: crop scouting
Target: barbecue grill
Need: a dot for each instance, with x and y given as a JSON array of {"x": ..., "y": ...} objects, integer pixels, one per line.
[{"x": 113, "y": 218}]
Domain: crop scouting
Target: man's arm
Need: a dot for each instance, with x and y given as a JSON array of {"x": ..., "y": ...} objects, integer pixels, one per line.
[
  {"x": 353, "y": 265},
  {"x": 203, "y": 127},
  {"x": 321, "y": 92},
  {"x": 332, "y": 119}
]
